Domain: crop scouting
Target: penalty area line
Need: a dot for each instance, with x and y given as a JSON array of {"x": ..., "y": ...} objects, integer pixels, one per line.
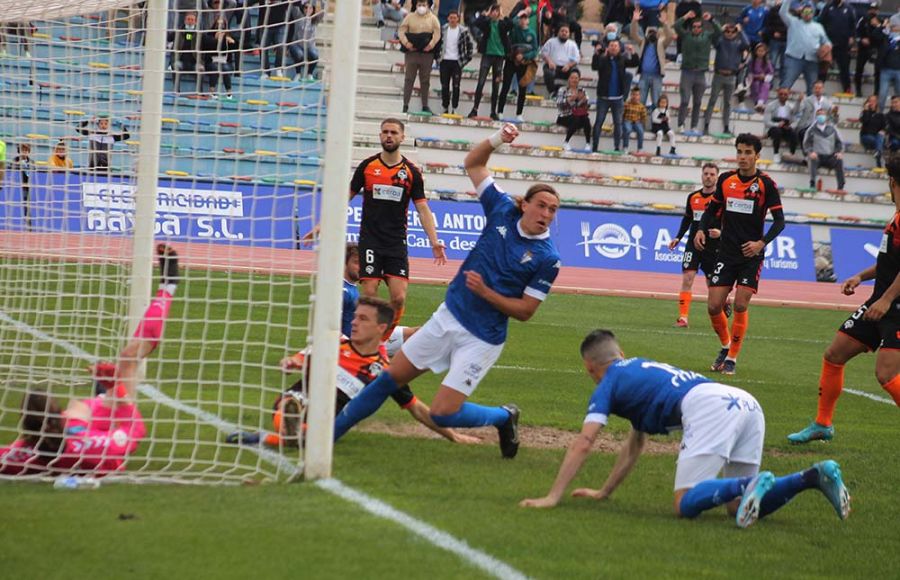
[{"x": 376, "y": 507}]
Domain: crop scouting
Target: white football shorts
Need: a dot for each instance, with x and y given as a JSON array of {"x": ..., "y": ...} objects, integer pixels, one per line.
[{"x": 444, "y": 344}]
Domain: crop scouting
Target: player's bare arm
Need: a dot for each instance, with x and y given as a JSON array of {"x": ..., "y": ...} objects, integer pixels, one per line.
[
  {"x": 428, "y": 224},
  {"x": 626, "y": 461},
  {"x": 578, "y": 451},
  {"x": 477, "y": 159},
  {"x": 521, "y": 309},
  {"x": 850, "y": 284}
]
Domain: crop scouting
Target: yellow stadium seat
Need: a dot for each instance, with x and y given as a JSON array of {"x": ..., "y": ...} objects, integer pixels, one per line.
[
  {"x": 623, "y": 178},
  {"x": 98, "y": 65},
  {"x": 257, "y": 102},
  {"x": 74, "y": 112},
  {"x": 498, "y": 169},
  {"x": 266, "y": 153},
  {"x": 289, "y": 129},
  {"x": 550, "y": 148},
  {"x": 309, "y": 182},
  {"x": 38, "y": 136},
  {"x": 170, "y": 120},
  {"x": 176, "y": 173}
]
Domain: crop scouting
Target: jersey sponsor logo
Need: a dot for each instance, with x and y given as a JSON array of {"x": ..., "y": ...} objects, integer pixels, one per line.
[
  {"x": 502, "y": 231},
  {"x": 348, "y": 384},
  {"x": 744, "y": 206},
  {"x": 611, "y": 240},
  {"x": 370, "y": 269},
  {"x": 387, "y": 192}
]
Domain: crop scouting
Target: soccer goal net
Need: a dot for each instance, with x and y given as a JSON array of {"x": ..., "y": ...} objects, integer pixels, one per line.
[{"x": 124, "y": 126}]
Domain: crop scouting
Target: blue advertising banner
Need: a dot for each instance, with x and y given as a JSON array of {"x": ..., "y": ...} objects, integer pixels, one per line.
[
  {"x": 854, "y": 250},
  {"x": 274, "y": 216}
]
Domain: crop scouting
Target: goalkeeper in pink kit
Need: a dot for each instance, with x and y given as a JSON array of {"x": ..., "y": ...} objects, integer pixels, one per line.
[{"x": 94, "y": 436}]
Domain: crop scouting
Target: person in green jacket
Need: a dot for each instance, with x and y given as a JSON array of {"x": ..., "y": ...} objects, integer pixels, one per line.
[
  {"x": 697, "y": 41},
  {"x": 524, "y": 48}
]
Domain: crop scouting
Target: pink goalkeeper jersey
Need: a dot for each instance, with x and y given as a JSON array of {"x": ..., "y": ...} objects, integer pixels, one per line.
[{"x": 98, "y": 446}]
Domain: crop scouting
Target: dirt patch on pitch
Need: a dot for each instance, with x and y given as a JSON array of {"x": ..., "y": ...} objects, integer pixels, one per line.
[{"x": 530, "y": 437}]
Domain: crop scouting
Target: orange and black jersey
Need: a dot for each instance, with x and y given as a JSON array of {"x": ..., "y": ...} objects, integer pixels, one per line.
[
  {"x": 887, "y": 265},
  {"x": 386, "y": 191},
  {"x": 742, "y": 204},
  {"x": 697, "y": 202}
]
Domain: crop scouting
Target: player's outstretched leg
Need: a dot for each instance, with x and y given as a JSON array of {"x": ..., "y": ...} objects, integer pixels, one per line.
[
  {"x": 366, "y": 402},
  {"x": 824, "y": 476},
  {"x": 449, "y": 408},
  {"x": 750, "y": 508},
  {"x": 711, "y": 493}
]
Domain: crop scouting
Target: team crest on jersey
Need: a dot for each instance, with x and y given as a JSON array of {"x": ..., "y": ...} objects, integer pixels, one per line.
[
  {"x": 375, "y": 369},
  {"x": 502, "y": 231},
  {"x": 715, "y": 279},
  {"x": 558, "y": 264},
  {"x": 402, "y": 175},
  {"x": 526, "y": 257}
]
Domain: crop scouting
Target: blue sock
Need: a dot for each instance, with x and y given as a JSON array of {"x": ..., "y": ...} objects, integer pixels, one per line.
[
  {"x": 472, "y": 415},
  {"x": 364, "y": 404},
  {"x": 711, "y": 493},
  {"x": 786, "y": 488}
]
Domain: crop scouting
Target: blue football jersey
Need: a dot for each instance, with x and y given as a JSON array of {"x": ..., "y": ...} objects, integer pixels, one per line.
[
  {"x": 348, "y": 308},
  {"x": 511, "y": 262},
  {"x": 645, "y": 392}
]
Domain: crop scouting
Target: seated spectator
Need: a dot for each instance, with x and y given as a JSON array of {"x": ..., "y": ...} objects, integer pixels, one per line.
[
  {"x": 494, "y": 46},
  {"x": 392, "y": 10},
  {"x": 633, "y": 119},
  {"x": 761, "y": 73},
  {"x": 186, "y": 57},
  {"x": 612, "y": 86},
  {"x": 573, "y": 105},
  {"x": 825, "y": 148},
  {"x": 219, "y": 48},
  {"x": 892, "y": 120},
  {"x": 871, "y": 129},
  {"x": 302, "y": 41},
  {"x": 889, "y": 63},
  {"x": 456, "y": 52},
  {"x": 521, "y": 64},
  {"x": 778, "y": 119},
  {"x": 419, "y": 34},
  {"x": 101, "y": 141},
  {"x": 60, "y": 158},
  {"x": 806, "y": 113},
  {"x": 660, "y": 125},
  {"x": 805, "y": 38},
  {"x": 560, "y": 56},
  {"x": 731, "y": 48}
]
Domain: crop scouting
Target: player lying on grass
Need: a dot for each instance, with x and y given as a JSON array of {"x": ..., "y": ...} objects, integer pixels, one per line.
[
  {"x": 874, "y": 326},
  {"x": 94, "y": 435},
  {"x": 723, "y": 432},
  {"x": 362, "y": 357},
  {"x": 508, "y": 274}
]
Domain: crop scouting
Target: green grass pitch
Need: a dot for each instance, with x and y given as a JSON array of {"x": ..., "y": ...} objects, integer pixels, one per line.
[{"x": 125, "y": 531}]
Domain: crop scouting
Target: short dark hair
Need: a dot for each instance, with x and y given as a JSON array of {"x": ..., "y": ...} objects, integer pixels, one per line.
[
  {"x": 600, "y": 345},
  {"x": 452, "y": 12},
  {"x": 635, "y": 89},
  {"x": 385, "y": 311},
  {"x": 42, "y": 422},
  {"x": 351, "y": 250},
  {"x": 895, "y": 97},
  {"x": 893, "y": 168},
  {"x": 710, "y": 165},
  {"x": 494, "y": 6},
  {"x": 749, "y": 139},
  {"x": 394, "y": 121}
]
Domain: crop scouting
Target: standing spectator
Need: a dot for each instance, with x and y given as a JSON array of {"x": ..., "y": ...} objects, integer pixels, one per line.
[
  {"x": 60, "y": 158},
  {"x": 187, "y": 53},
  {"x": 889, "y": 63},
  {"x": 839, "y": 22},
  {"x": 273, "y": 19},
  {"x": 455, "y": 53},
  {"x": 633, "y": 119},
  {"x": 681, "y": 9},
  {"x": 24, "y": 164},
  {"x": 868, "y": 44},
  {"x": 392, "y": 10},
  {"x": 617, "y": 12},
  {"x": 562, "y": 18},
  {"x": 731, "y": 48},
  {"x": 573, "y": 106},
  {"x": 522, "y": 55},
  {"x": 659, "y": 125},
  {"x": 560, "y": 56},
  {"x": 219, "y": 47},
  {"x": 652, "y": 50},
  {"x": 695, "y": 48},
  {"x": 778, "y": 120},
  {"x": 761, "y": 74},
  {"x": 774, "y": 34},
  {"x": 825, "y": 148},
  {"x": 537, "y": 12},
  {"x": 493, "y": 46},
  {"x": 419, "y": 33},
  {"x": 301, "y": 41},
  {"x": 610, "y": 65},
  {"x": 806, "y": 113},
  {"x": 871, "y": 129},
  {"x": 892, "y": 119},
  {"x": 650, "y": 12},
  {"x": 804, "y": 39},
  {"x": 752, "y": 20},
  {"x": 101, "y": 141}
]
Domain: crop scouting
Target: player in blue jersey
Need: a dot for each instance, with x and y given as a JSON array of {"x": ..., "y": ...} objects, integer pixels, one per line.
[
  {"x": 351, "y": 292},
  {"x": 508, "y": 274},
  {"x": 723, "y": 432}
]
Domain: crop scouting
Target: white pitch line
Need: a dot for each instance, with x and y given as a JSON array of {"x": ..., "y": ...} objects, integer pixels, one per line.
[
  {"x": 870, "y": 396},
  {"x": 376, "y": 507}
]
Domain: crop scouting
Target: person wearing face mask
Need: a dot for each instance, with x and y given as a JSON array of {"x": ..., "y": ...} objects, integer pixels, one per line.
[
  {"x": 825, "y": 148},
  {"x": 697, "y": 41},
  {"x": 889, "y": 62},
  {"x": 806, "y": 112},
  {"x": 805, "y": 39},
  {"x": 652, "y": 51},
  {"x": 419, "y": 33},
  {"x": 561, "y": 56}
]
